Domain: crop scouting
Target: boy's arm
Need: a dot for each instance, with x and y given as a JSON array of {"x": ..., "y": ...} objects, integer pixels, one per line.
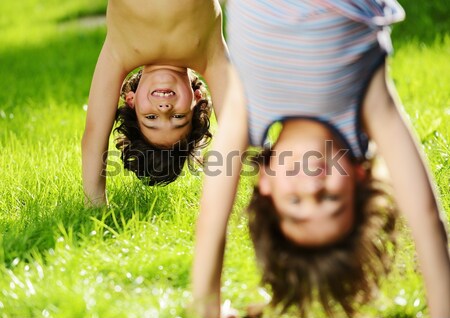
[
  {"x": 413, "y": 188},
  {"x": 102, "y": 107},
  {"x": 221, "y": 177}
]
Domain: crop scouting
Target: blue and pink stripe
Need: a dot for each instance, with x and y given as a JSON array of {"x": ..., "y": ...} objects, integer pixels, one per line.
[{"x": 309, "y": 59}]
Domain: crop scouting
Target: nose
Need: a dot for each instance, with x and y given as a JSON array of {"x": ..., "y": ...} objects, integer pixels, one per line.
[
  {"x": 311, "y": 186},
  {"x": 164, "y": 107},
  {"x": 310, "y": 183}
]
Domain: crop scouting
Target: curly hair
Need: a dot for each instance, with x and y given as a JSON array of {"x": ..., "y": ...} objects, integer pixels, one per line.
[
  {"x": 152, "y": 164},
  {"x": 346, "y": 273}
]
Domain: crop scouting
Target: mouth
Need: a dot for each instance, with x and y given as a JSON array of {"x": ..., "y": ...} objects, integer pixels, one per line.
[{"x": 164, "y": 93}]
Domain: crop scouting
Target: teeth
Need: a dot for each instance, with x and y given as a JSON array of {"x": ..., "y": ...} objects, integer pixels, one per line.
[{"x": 163, "y": 94}]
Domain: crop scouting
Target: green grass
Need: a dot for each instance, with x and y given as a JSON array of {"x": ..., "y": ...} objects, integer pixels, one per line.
[{"x": 133, "y": 259}]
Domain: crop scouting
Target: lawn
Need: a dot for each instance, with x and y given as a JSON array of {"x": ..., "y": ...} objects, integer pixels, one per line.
[{"x": 133, "y": 259}]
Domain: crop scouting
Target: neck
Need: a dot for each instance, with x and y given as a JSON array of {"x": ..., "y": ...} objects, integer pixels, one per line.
[
  {"x": 304, "y": 127},
  {"x": 153, "y": 67}
]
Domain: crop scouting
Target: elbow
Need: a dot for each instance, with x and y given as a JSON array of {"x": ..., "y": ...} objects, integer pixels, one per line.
[
  {"x": 91, "y": 136},
  {"x": 435, "y": 218},
  {"x": 85, "y": 139}
]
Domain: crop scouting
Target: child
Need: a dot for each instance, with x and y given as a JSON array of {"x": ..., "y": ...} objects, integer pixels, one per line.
[
  {"x": 165, "y": 116},
  {"x": 319, "y": 68},
  {"x": 149, "y": 157}
]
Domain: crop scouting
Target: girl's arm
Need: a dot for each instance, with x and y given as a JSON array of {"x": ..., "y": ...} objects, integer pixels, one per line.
[
  {"x": 413, "y": 188},
  {"x": 221, "y": 176},
  {"x": 102, "y": 107}
]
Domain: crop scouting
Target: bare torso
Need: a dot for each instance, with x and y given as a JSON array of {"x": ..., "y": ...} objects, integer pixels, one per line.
[{"x": 170, "y": 32}]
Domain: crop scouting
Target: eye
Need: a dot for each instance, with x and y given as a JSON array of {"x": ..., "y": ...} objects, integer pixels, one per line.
[
  {"x": 294, "y": 199},
  {"x": 178, "y": 116},
  {"x": 329, "y": 197},
  {"x": 152, "y": 116}
]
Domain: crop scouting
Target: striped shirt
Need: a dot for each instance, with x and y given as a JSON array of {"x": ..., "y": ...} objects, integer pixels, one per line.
[{"x": 309, "y": 59}]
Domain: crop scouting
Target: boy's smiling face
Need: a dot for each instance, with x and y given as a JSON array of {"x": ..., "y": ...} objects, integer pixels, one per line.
[
  {"x": 164, "y": 103},
  {"x": 314, "y": 197}
]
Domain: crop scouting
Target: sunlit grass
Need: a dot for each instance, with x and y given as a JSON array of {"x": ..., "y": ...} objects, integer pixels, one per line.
[{"x": 133, "y": 259}]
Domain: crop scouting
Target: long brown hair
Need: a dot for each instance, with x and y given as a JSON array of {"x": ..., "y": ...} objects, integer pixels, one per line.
[{"x": 344, "y": 274}]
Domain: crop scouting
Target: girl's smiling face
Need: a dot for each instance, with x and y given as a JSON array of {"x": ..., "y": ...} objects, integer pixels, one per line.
[{"x": 311, "y": 181}]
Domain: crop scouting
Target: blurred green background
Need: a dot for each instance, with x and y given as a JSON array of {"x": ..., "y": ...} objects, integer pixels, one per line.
[{"x": 59, "y": 259}]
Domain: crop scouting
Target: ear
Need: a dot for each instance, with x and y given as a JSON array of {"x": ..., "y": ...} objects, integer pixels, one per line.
[
  {"x": 264, "y": 182},
  {"x": 129, "y": 99},
  {"x": 360, "y": 172},
  {"x": 198, "y": 95}
]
